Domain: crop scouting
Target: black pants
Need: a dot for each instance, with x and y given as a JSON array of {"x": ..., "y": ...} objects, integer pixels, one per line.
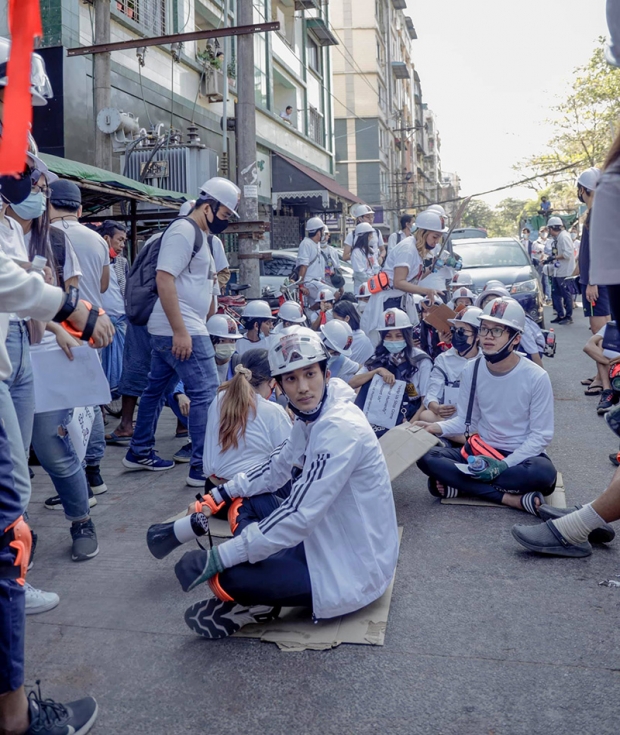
[
  {"x": 535, "y": 474},
  {"x": 614, "y": 301},
  {"x": 561, "y": 297},
  {"x": 282, "y": 579}
]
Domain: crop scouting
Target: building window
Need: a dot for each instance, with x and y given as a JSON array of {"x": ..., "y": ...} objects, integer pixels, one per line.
[
  {"x": 260, "y": 58},
  {"x": 316, "y": 129},
  {"x": 313, "y": 55},
  {"x": 148, "y": 13},
  {"x": 382, "y": 97},
  {"x": 380, "y": 14}
]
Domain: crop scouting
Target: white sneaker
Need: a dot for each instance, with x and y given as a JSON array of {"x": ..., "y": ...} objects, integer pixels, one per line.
[{"x": 38, "y": 601}]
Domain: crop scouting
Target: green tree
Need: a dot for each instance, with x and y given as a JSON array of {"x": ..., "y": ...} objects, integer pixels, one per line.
[
  {"x": 507, "y": 217},
  {"x": 477, "y": 214}
]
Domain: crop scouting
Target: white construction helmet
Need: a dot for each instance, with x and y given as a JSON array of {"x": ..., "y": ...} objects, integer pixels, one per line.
[
  {"x": 493, "y": 283},
  {"x": 223, "y": 191},
  {"x": 221, "y": 325},
  {"x": 426, "y": 300},
  {"x": 394, "y": 319},
  {"x": 326, "y": 294},
  {"x": 468, "y": 316},
  {"x": 555, "y": 222},
  {"x": 590, "y": 178},
  {"x": 363, "y": 292},
  {"x": 462, "y": 278},
  {"x": 293, "y": 348},
  {"x": 431, "y": 221},
  {"x": 40, "y": 87},
  {"x": 359, "y": 210},
  {"x": 291, "y": 311},
  {"x": 463, "y": 293},
  {"x": 504, "y": 311},
  {"x": 362, "y": 228},
  {"x": 497, "y": 291},
  {"x": 338, "y": 335},
  {"x": 257, "y": 309},
  {"x": 314, "y": 224},
  {"x": 186, "y": 208},
  {"x": 437, "y": 208}
]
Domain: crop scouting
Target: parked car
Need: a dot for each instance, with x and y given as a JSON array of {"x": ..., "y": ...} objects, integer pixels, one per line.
[
  {"x": 274, "y": 272},
  {"x": 503, "y": 259},
  {"x": 466, "y": 233}
]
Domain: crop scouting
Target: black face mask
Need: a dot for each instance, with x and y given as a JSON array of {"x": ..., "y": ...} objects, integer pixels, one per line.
[
  {"x": 460, "y": 342},
  {"x": 580, "y": 197},
  {"x": 218, "y": 225},
  {"x": 15, "y": 191},
  {"x": 502, "y": 354}
]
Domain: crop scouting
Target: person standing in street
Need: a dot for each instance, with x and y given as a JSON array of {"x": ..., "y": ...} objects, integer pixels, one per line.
[
  {"x": 526, "y": 241},
  {"x": 177, "y": 325},
  {"x": 563, "y": 262},
  {"x": 405, "y": 231},
  {"x": 310, "y": 264}
]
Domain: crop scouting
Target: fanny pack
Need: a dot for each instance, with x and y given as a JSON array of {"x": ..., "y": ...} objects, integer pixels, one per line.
[
  {"x": 379, "y": 282},
  {"x": 614, "y": 376},
  {"x": 474, "y": 445}
]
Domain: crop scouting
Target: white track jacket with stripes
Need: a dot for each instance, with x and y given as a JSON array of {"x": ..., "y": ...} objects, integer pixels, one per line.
[{"x": 341, "y": 508}]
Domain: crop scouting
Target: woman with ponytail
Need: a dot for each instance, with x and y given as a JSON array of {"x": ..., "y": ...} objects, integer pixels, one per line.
[{"x": 243, "y": 425}]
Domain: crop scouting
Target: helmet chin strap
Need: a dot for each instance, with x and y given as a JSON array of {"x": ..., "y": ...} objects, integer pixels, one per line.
[
  {"x": 310, "y": 416},
  {"x": 502, "y": 354}
]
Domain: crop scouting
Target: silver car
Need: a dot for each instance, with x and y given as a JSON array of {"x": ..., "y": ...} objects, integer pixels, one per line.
[{"x": 274, "y": 272}]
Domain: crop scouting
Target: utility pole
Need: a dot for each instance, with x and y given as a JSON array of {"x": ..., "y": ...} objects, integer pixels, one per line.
[
  {"x": 101, "y": 84},
  {"x": 247, "y": 177}
]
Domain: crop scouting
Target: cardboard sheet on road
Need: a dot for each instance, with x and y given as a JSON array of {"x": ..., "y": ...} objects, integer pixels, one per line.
[
  {"x": 403, "y": 445},
  {"x": 557, "y": 499},
  {"x": 295, "y": 631}
]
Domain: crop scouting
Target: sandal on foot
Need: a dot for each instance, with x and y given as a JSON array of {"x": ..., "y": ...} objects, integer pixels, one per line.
[
  {"x": 115, "y": 438},
  {"x": 593, "y": 390},
  {"x": 449, "y": 492},
  {"x": 528, "y": 504},
  {"x": 587, "y": 381}
]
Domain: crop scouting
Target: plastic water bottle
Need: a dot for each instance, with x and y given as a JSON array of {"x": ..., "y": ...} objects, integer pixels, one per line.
[
  {"x": 38, "y": 264},
  {"x": 477, "y": 464}
]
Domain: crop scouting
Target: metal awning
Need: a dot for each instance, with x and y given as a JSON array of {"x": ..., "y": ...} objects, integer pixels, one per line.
[
  {"x": 102, "y": 189},
  {"x": 321, "y": 32},
  {"x": 401, "y": 70},
  {"x": 292, "y": 180},
  {"x": 410, "y": 28}
]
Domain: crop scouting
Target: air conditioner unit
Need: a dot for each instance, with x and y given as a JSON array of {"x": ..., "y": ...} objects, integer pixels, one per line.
[
  {"x": 182, "y": 168},
  {"x": 307, "y": 4}
]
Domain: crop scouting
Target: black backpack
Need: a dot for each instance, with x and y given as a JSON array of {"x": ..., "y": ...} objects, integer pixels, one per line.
[
  {"x": 58, "y": 243},
  {"x": 141, "y": 286}
]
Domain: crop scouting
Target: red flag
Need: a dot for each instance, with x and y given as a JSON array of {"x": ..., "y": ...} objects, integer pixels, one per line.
[{"x": 24, "y": 26}]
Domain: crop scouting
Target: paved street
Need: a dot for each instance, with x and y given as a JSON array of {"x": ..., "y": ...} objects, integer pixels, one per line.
[{"x": 483, "y": 637}]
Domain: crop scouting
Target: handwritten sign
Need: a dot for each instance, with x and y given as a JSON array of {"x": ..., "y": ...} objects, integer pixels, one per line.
[{"x": 382, "y": 405}]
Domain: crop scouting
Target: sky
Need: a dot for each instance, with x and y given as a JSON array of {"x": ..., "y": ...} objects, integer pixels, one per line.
[{"x": 491, "y": 70}]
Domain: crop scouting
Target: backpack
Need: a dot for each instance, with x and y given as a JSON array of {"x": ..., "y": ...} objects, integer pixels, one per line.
[
  {"x": 141, "y": 286},
  {"x": 58, "y": 243}
]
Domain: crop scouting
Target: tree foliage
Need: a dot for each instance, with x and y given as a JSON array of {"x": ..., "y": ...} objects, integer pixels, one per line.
[{"x": 477, "y": 214}]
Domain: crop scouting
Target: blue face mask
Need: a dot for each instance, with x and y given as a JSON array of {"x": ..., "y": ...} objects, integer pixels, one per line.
[
  {"x": 32, "y": 207},
  {"x": 395, "y": 347}
]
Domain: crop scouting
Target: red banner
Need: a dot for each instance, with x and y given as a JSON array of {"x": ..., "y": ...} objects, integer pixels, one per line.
[{"x": 24, "y": 26}]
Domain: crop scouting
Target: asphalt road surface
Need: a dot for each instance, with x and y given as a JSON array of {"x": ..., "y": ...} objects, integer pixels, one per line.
[{"x": 483, "y": 638}]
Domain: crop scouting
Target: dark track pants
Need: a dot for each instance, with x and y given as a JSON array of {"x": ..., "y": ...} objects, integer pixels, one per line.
[
  {"x": 561, "y": 297},
  {"x": 280, "y": 580},
  {"x": 535, "y": 474}
]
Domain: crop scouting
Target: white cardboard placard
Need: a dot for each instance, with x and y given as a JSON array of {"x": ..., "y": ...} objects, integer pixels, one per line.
[{"x": 382, "y": 404}]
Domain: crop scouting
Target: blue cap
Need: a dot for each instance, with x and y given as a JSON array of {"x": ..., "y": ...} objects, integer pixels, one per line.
[{"x": 65, "y": 192}]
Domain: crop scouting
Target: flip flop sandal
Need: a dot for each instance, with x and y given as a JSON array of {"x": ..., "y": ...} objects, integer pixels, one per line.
[
  {"x": 594, "y": 390},
  {"x": 450, "y": 492},
  {"x": 587, "y": 381},
  {"x": 114, "y": 438},
  {"x": 528, "y": 504}
]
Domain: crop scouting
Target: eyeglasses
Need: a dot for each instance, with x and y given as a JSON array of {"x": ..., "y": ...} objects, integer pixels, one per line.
[
  {"x": 493, "y": 331},
  {"x": 44, "y": 189}
]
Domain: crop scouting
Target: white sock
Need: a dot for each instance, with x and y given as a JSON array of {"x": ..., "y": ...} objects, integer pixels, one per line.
[{"x": 577, "y": 526}]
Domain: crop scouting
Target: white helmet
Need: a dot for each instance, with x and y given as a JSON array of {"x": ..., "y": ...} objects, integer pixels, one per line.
[
  {"x": 40, "y": 87},
  {"x": 431, "y": 221},
  {"x": 326, "y": 294},
  {"x": 338, "y": 335},
  {"x": 362, "y": 228},
  {"x": 590, "y": 178},
  {"x": 293, "y": 348},
  {"x": 291, "y": 311},
  {"x": 394, "y": 319},
  {"x": 363, "y": 292},
  {"x": 468, "y": 316},
  {"x": 497, "y": 291},
  {"x": 504, "y": 311},
  {"x": 221, "y": 325},
  {"x": 314, "y": 224},
  {"x": 463, "y": 293},
  {"x": 555, "y": 222},
  {"x": 186, "y": 208},
  {"x": 257, "y": 309},
  {"x": 437, "y": 208},
  {"x": 493, "y": 283},
  {"x": 462, "y": 278},
  {"x": 359, "y": 210},
  {"x": 223, "y": 191},
  {"x": 436, "y": 301}
]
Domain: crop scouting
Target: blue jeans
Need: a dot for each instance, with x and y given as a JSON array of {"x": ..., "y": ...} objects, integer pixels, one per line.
[
  {"x": 57, "y": 456},
  {"x": 96, "y": 442},
  {"x": 21, "y": 382},
  {"x": 546, "y": 284},
  {"x": 10, "y": 424},
  {"x": 136, "y": 361},
  {"x": 199, "y": 375}
]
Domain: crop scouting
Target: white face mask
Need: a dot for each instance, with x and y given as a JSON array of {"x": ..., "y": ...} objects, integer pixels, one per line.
[
  {"x": 361, "y": 305},
  {"x": 225, "y": 351}
]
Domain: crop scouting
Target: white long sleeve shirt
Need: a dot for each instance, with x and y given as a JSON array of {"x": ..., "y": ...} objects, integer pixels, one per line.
[
  {"x": 511, "y": 412},
  {"x": 566, "y": 251},
  {"x": 26, "y": 294},
  {"x": 452, "y": 365},
  {"x": 341, "y": 508}
]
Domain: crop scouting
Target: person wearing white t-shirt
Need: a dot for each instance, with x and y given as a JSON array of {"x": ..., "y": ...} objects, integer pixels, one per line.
[
  {"x": 310, "y": 264},
  {"x": 405, "y": 231},
  {"x": 563, "y": 262},
  {"x": 362, "y": 348},
  {"x": 177, "y": 326},
  {"x": 510, "y": 425},
  {"x": 244, "y": 425},
  {"x": 605, "y": 361}
]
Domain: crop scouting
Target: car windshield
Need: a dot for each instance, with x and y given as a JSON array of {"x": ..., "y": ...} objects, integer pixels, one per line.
[{"x": 491, "y": 255}]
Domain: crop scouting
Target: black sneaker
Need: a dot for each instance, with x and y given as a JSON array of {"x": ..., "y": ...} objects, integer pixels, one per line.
[
  {"x": 85, "y": 544},
  {"x": 215, "y": 619},
  {"x": 55, "y": 503},
  {"x": 54, "y": 718},
  {"x": 557, "y": 320},
  {"x": 606, "y": 402},
  {"x": 35, "y": 538},
  {"x": 566, "y": 320},
  {"x": 93, "y": 475}
]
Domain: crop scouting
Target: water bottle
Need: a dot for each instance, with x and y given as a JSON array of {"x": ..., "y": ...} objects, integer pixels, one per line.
[
  {"x": 477, "y": 464},
  {"x": 38, "y": 263}
]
